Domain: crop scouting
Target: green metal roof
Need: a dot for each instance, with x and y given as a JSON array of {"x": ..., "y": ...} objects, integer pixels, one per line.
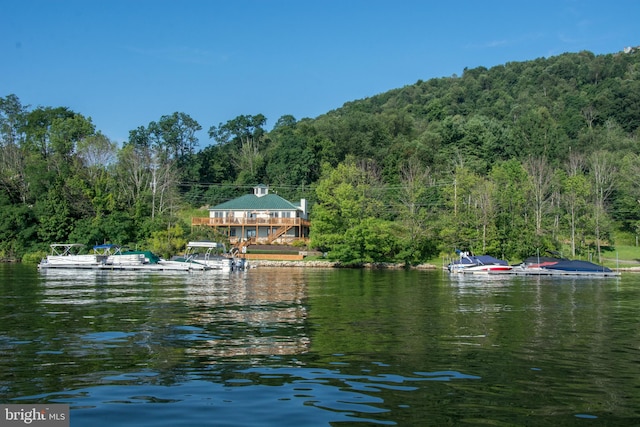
[{"x": 251, "y": 202}]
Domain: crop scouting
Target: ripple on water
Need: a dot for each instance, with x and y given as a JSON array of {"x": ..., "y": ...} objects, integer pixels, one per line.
[{"x": 284, "y": 396}]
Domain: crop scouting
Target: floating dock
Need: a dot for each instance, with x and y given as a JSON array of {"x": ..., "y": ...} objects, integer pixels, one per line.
[{"x": 554, "y": 273}]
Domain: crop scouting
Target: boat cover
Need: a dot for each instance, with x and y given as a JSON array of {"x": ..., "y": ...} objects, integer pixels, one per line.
[
  {"x": 578, "y": 266},
  {"x": 480, "y": 259},
  {"x": 542, "y": 260}
]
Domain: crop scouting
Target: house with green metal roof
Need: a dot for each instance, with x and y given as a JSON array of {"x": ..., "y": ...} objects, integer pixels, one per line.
[{"x": 260, "y": 217}]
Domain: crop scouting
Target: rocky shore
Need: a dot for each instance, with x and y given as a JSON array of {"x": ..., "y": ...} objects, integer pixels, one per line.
[{"x": 331, "y": 264}]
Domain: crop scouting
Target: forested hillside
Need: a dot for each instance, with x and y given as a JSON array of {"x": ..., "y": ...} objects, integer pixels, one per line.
[{"x": 510, "y": 160}]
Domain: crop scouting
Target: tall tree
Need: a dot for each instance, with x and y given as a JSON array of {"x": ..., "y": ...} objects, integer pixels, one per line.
[
  {"x": 97, "y": 152},
  {"x": 246, "y": 133},
  {"x": 513, "y": 229},
  {"x": 414, "y": 198},
  {"x": 65, "y": 133},
  {"x": 152, "y": 160},
  {"x": 12, "y": 115},
  {"x": 603, "y": 174},
  {"x": 132, "y": 170},
  {"x": 483, "y": 196},
  {"x": 458, "y": 229},
  {"x": 173, "y": 138},
  {"x": 37, "y": 127},
  {"x": 97, "y": 155},
  {"x": 575, "y": 192},
  {"x": 540, "y": 179},
  {"x": 12, "y": 158}
]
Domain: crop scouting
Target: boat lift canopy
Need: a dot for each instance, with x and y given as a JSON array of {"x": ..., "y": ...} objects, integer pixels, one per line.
[
  {"x": 212, "y": 248},
  {"x": 64, "y": 248}
]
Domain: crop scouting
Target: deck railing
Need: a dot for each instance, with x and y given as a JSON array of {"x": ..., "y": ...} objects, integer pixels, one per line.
[{"x": 238, "y": 222}]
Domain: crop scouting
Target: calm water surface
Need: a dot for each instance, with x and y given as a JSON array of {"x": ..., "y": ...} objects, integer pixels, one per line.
[{"x": 319, "y": 347}]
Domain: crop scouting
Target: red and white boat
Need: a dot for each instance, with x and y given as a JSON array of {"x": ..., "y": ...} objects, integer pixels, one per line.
[{"x": 477, "y": 264}]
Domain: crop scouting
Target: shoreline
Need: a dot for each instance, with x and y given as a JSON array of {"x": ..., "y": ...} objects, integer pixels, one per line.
[
  {"x": 335, "y": 264},
  {"x": 372, "y": 266}
]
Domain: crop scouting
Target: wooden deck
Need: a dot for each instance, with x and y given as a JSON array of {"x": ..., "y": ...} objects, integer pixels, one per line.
[
  {"x": 250, "y": 222},
  {"x": 278, "y": 227}
]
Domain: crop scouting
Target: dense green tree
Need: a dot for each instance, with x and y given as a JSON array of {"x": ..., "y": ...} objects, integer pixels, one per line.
[
  {"x": 37, "y": 128},
  {"x": 346, "y": 199},
  {"x": 117, "y": 227},
  {"x": 215, "y": 165},
  {"x": 291, "y": 161},
  {"x": 18, "y": 230},
  {"x": 173, "y": 138},
  {"x": 371, "y": 240},
  {"x": 55, "y": 221},
  {"x": 97, "y": 157},
  {"x": 167, "y": 242},
  {"x": 512, "y": 210},
  {"x": 246, "y": 135},
  {"x": 65, "y": 134}
]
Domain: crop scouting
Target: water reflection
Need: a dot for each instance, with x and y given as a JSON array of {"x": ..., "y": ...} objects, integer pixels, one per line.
[
  {"x": 221, "y": 315},
  {"x": 298, "y": 347},
  {"x": 269, "y": 313}
]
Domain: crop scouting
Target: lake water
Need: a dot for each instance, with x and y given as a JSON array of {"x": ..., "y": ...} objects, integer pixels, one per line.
[{"x": 319, "y": 347}]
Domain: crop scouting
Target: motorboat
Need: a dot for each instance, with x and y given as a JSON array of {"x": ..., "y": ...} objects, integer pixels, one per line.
[
  {"x": 212, "y": 254},
  {"x": 469, "y": 263},
  {"x": 557, "y": 266}
]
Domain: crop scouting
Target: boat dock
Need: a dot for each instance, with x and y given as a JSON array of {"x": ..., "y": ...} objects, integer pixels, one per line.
[{"x": 554, "y": 273}]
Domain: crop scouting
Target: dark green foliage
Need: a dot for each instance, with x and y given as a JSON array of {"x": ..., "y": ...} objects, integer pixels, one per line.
[
  {"x": 18, "y": 230},
  {"x": 118, "y": 228},
  {"x": 292, "y": 159},
  {"x": 472, "y": 138},
  {"x": 54, "y": 218}
]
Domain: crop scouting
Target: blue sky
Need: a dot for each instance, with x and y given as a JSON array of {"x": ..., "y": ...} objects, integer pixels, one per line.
[{"x": 127, "y": 63}]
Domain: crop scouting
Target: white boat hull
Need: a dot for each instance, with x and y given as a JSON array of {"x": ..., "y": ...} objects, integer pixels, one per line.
[{"x": 480, "y": 269}]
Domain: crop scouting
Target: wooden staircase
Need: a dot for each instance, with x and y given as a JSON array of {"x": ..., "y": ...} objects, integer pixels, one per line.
[
  {"x": 245, "y": 243},
  {"x": 279, "y": 232}
]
